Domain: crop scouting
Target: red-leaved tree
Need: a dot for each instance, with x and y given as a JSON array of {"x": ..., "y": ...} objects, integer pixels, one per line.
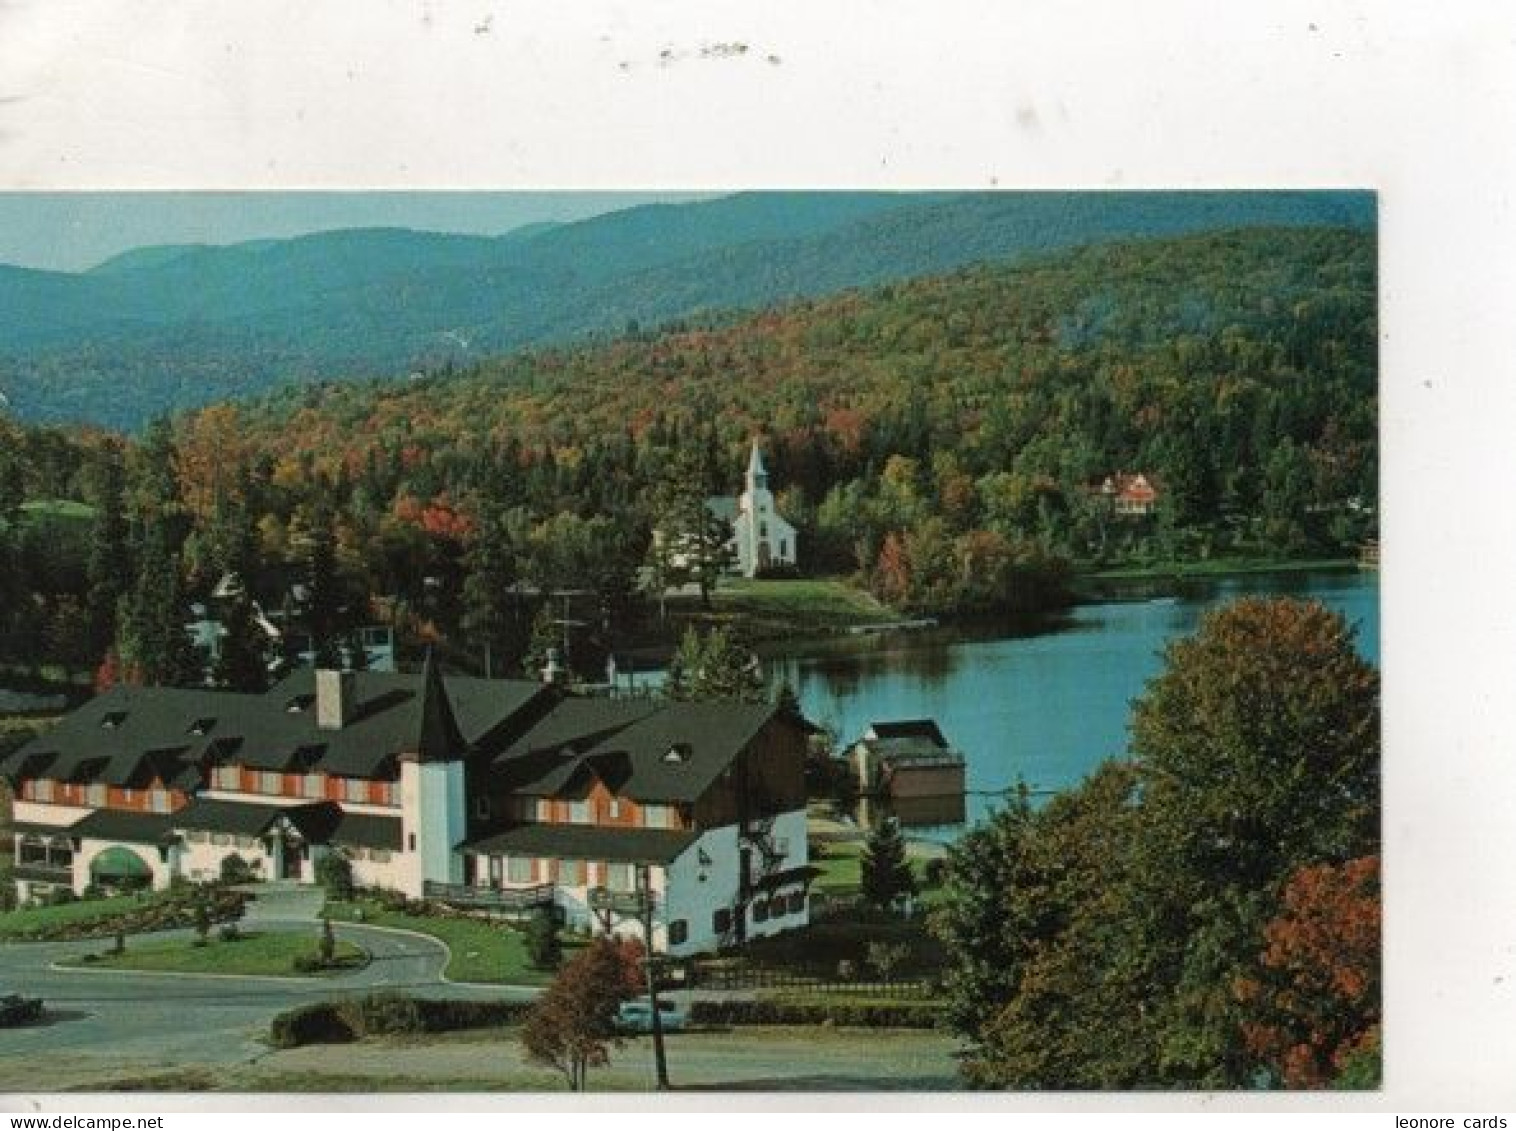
[
  {"x": 1314, "y": 1003},
  {"x": 573, "y": 1024}
]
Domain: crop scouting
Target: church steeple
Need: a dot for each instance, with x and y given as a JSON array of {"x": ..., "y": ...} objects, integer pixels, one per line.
[
  {"x": 757, "y": 474},
  {"x": 440, "y": 739}
]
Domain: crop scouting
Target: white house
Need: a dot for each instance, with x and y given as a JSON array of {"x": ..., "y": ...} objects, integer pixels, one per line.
[{"x": 760, "y": 535}]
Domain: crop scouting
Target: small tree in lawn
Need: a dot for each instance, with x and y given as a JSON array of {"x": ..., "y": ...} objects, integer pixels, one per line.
[
  {"x": 885, "y": 875},
  {"x": 328, "y": 946},
  {"x": 202, "y": 922},
  {"x": 544, "y": 948},
  {"x": 572, "y": 1025}
]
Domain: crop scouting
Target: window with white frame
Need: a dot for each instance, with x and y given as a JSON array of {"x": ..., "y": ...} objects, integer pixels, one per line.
[
  {"x": 269, "y": 782},
  {"x": 518, "y": 869},
  {"x": 157, "y": 800},
  {"x": 228, "y": 777},
  {"x": 356, "y": 790},
  {"x": 312, "y": 785},
  {"x": 579, "y": 812},
  {"x": 95, "y": 795},
  {"x": 571, "y": 873},
  {"x": 621, "y": 877},
  {"x": 613, "y": 810},
  {"x": 544, "y": 809},
  {"x": 658, "y": 816},
  {"x": 42, "y": 789}
]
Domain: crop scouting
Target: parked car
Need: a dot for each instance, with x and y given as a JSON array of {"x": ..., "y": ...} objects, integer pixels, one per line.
[
  {"x": 637, "y": 1016},
  {"x": 18, "y": 1010}
]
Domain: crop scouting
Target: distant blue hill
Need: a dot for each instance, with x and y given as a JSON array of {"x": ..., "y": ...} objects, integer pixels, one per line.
[{"x": 164, "y": 328}]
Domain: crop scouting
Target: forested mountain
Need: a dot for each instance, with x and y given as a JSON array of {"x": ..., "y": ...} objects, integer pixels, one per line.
[
  {"x": 937, "y": 440},
  {"x": 167, "y": 328}
]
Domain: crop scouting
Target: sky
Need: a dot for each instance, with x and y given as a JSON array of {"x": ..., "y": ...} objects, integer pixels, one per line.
[{"x": 75, "y": 231}]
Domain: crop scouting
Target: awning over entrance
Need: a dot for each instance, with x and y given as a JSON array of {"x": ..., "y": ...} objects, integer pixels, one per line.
[{"x": 120, "y": 864}]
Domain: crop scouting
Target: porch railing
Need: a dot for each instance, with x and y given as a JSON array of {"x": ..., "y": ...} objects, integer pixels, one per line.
[{"x": 490, "y": 899}]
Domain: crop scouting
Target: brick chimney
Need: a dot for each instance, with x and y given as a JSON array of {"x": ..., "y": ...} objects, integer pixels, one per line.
[{"x": 336, "y": 698}]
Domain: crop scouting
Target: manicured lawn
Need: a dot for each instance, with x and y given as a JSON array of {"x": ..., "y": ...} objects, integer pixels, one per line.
[
  {"x": 481, "y": 951},
  {"x": 254, "y": 953},
  {"x": 29, "y": 919}
]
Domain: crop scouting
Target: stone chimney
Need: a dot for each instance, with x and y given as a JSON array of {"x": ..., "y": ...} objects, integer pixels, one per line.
[{"x": 336, "y": 698}]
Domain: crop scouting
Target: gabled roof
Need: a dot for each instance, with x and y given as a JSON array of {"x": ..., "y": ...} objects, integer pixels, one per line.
[
  {"x": 123, "y": 825},
  {"x": 130, "y": 735},
  {"x": 643, "y": 749}
]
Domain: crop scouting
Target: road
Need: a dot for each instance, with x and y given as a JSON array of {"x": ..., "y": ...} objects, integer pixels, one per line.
[{"x": 173, "y": 1018}]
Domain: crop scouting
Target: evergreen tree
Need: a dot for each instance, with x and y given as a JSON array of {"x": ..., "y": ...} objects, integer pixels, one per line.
[
  {"x": 492, "y": 618},
  {"x": 242, "y": 664},
  {"x": 544, "y": 948},
  {"x": 154, "y": 642},
  {"x": 110, "y": 564},
  {"x": 691, "y": 541},
  {"x": 884, "y": 873},
  {"x": 718, "y": 665},
  {"x": 323, "y": 605}
]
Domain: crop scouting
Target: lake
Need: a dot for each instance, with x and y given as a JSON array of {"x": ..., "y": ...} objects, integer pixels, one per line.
[{"x": 1044, "y": 708}]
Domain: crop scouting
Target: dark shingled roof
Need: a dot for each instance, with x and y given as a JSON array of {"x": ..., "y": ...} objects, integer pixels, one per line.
[
  {"x": 909, "y": 739},
  {"x": 130, "y": 735},
  {"x": 235, "y": 817},
  {"x": 585, "y": 842},
  {"x": 366, "y": 830},
  {"x": 122, "y": 825},
  {"x": 627, "y": 744}
]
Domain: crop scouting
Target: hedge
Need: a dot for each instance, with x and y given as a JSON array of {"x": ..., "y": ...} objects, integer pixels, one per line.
[
  {"x": 869, "y": 1015},
  {"x": 386, "y": 1014}
]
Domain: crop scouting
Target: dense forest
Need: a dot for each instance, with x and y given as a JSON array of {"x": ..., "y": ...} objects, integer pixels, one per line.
[
  {"x": 170, "y": 328},
  {"x": 936, "y": 439}
]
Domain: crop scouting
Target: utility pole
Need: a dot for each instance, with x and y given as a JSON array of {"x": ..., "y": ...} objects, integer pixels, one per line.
[{"x": 660, "y": 1059}]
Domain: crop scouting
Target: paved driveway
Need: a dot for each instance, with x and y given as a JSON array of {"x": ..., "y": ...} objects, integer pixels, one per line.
[{"x": 169, "y": 1019}]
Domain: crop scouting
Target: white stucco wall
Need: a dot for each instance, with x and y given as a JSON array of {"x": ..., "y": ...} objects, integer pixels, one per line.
[
  {"x": 201, "y": 860},
  {"x": 42, "y": 813},
  {"x": 433, "y": 818},
  {"x": 696, "y": 890},
  {"x": 392, "y": 874}
]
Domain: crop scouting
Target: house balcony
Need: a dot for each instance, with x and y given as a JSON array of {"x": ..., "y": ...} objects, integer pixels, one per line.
[
  {"x": 44, "y": 873},
  {"x": 620, "y": 902},
  {"x": 506, "y": 900}
]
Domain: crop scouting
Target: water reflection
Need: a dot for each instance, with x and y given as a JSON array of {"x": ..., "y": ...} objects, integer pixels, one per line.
[{"x": 1045, "y": 708}]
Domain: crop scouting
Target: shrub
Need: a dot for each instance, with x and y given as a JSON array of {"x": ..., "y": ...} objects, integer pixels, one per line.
[
  {"x": 235, "y": 870},
  {"x": 321, "y": 1023},
  {"x": 934, "y": 872},
  {"x": 383, "y": 1014},
  {"x": 334, "y": 872},
  {"x": 328, "y": 945},
  {"x": 307, "y": 964},
  {"x": 229, "y": 932},
  {"x": 543, "y": 946},
  {"x": 387, "y": 1013}
]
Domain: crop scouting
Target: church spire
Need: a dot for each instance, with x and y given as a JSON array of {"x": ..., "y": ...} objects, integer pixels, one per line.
[
  {"x": 757, "y": 474},
  {"x": 440, "y": 739}
]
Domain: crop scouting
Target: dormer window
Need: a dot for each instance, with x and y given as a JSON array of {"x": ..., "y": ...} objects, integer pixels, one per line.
[
  {"x": 202, "y": 727},
  {"x": 677, "y": 754},
  {"x": 113, "y": 720},
  {"x": 299, "y": 704}
]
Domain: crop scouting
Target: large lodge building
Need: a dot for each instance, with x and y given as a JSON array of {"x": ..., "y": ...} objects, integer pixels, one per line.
[{"x": 494, "y": 794}]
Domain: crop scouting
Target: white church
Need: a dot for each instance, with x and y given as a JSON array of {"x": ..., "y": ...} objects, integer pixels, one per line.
[{"x": 762, "y": 538}]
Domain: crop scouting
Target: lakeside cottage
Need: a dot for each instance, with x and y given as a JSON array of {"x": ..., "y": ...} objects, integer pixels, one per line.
[
  {"x": 501, "y": 795},
  {"x": 909, "y": 766},
  {"x": 761, "y": 536}
]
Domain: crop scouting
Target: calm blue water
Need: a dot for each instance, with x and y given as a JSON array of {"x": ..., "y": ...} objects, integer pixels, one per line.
[{"x": 1045, "y": 708}]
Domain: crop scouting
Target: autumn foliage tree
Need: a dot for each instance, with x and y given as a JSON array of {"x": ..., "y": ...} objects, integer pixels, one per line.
[
  {"x": 572, "y": 1026},
  {"x": 1100, "y": 942},
  {"x": 1313, "y": 1002}
]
